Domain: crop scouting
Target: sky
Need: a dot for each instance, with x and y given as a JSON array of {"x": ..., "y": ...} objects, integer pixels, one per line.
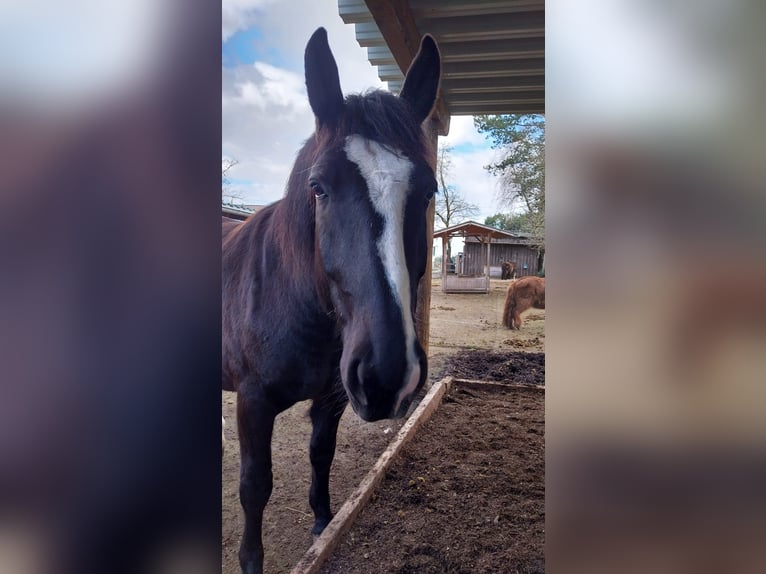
[{"x": 265, "y": 112}]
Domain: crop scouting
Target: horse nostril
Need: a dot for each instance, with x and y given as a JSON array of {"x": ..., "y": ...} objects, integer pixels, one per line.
[
  {"x": 365, "y": 373},
  {"x": 360, "y": 373},
  {"x": 357, "y": 377}
]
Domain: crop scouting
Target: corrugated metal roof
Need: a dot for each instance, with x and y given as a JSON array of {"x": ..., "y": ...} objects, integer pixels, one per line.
[
  {"x": 237, "y": 209},
  {"x": 493, "y": 51}
]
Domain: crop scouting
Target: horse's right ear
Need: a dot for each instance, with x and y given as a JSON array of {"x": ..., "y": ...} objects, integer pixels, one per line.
[
  {"x": 421, "y": 82},
  {"x": 322, "y": 81}
]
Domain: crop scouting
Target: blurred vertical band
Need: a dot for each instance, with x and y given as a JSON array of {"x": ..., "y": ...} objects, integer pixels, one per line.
[
  {"x": 109, "y": 286},
  {"x": 656, "y": 276}
]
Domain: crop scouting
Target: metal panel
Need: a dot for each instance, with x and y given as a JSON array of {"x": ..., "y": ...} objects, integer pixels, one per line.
[
  {"x": 495, "y": 50},
  {"x": 380, "y": 56},
  {"x": 367, "y": 34},
  {"x": 486, "y": 27},
  {"x": 497, "y": 109},
  {"x": 494, "y": 68},
  {"x": 505, "y": 84},
  {"x": 423, "y": 8},
  {"x": 457, "y": 284},
  {"x": 354, "y": 11}
]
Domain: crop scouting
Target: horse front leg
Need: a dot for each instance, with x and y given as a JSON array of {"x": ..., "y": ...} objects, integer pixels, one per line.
[
  {"x": 325, "y": 416},
  {"x": 255, "y": 421}
]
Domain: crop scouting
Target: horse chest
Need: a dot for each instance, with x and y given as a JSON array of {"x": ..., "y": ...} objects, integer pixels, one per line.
[{"x": 295, "y": 352}]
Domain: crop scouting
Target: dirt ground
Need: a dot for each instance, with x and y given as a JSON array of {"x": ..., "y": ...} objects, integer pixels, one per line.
[
  {"x": 459, "y": 323},
  {"x": 288, "y": 518},
  {"x": 499, "y": 367},
  {"x": 466, "y": 495},
  {"x": 474, "y": 321}
]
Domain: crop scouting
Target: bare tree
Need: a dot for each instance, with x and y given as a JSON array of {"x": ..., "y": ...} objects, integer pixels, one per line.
[
  {"x": 227, "y": 194},
  {"x": 451, "y": 208}
]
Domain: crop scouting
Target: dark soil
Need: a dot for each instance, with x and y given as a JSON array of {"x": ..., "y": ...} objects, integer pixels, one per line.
[
  {"x": 516, "y": 367},
  {"x": 468, "y": 493},
  {"x": 479, "y": 452}
]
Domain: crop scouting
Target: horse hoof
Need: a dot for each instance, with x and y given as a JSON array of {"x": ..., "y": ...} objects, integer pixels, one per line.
[{"x": 319, "y": 528}]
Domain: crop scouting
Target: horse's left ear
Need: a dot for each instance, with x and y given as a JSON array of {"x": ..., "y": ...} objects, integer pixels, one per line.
[
  {"x": 422, "y": 80},
  {"x": 322, "y": 81}
]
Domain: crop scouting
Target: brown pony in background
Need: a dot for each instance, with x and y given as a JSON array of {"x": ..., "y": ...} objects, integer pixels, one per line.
[{"x": 523, "y": 294}]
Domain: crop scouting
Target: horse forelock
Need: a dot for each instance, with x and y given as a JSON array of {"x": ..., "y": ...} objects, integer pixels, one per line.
[
  {"x": 375, "y": 115},
  {"x": 382, "y": 117},
  {"x": 378, "y": 116}
]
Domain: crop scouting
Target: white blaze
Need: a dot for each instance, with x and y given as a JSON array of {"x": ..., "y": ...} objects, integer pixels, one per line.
[{"x": 388, "y": 175}]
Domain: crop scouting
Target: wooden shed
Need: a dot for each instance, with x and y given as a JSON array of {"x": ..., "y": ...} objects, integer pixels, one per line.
[
  {"x": 485, "y": 249},
  {"x": 527, "y": 258}
]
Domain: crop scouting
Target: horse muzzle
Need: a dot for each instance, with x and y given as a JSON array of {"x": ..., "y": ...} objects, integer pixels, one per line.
[{"x": 379, "y": 390}]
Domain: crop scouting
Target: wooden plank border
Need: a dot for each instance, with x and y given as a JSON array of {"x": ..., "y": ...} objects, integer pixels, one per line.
[
  {"x": 498, "y": 386},
  {"x": 325, "y": 544}
]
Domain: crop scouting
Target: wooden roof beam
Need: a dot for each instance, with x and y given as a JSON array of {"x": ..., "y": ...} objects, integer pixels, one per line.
[{"x": 397, "y": 25}]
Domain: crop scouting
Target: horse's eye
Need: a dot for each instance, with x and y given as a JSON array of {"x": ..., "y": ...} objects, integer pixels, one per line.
[
  {"x": 429, "y": 197},
  {"x": 317, "y": 189}
]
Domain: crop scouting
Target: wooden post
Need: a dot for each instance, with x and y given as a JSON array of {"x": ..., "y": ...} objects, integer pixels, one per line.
[
  {"x": 489, "y": 261},
  {"x": 423, "y": 309},
  {"x": 445, "y": 264}
]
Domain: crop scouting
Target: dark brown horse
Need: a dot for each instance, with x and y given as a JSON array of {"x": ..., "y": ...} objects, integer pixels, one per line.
[
  {"x": 508, "y": 270},
  {"x": 523, "y": 294},
  {"x": 319, "y": 288}
]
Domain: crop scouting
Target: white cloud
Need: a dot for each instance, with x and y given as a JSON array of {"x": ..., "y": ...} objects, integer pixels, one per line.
[
  {"x": 271, "y": 90},
  {"x": 239, "y": 15},
  {"x": 265, "y": 119},
  {"x": 265, "y": 115},
  {"x": 471, "y": 152},
  {"x": 462, "y": 131},
  {"x": 474, "y": 182}
]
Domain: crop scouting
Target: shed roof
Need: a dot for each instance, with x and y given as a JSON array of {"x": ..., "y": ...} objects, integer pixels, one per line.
[
  {"x": 502, "y": 240},
  {"x": 493, "y": 51},
  {"x": 240, "y": 210},
  {"x": 472, "y": 228}
]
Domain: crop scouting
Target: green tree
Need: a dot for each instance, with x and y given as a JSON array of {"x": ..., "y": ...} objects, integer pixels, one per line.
[
  {"x": 521, "y": 167},
  {"x": 508, "y": 221}
]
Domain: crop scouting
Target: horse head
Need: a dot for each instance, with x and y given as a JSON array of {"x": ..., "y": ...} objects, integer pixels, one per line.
[{"x": 370, "y": 185}]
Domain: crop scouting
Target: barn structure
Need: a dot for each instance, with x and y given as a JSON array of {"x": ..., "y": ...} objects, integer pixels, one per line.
[
  {"x": 238, "y": 211},
  {"x": 516, "y": 247},
  {"x": 485, "y": 250},
  {"x": 493, "y": 62}
]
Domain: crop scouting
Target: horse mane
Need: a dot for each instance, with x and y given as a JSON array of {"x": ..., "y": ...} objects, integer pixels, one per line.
[{"x": 382, "y": 117}]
